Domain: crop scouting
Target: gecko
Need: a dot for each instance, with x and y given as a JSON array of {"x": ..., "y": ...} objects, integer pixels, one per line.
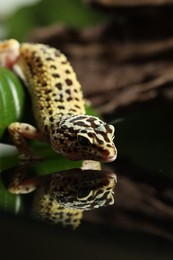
[
  {"x": 58, "y": 105},
  {"x": 62, "y": 197}
]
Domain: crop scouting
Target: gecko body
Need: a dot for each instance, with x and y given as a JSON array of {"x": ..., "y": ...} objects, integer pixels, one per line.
[{"x": 58, "y": 105}]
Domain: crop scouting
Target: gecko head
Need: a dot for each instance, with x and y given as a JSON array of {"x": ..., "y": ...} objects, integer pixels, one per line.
[
  {"x": 83, "y": 189},
  {"x": 84, "y": 137}
]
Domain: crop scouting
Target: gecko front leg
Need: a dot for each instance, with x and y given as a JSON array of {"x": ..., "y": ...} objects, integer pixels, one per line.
[{"x": 20, "y": 131}]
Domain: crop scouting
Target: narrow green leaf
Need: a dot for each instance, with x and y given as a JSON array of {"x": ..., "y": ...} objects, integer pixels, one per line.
[
  {"x": 10, "y": 202},
  {"x": 11, "y": 99}
]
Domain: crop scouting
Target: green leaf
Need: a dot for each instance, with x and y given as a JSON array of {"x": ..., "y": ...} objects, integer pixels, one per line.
[
  {"x": 11, "y": 99},
  {"x": 10, "y": 202},
  {"x": 8, "y": 157}
]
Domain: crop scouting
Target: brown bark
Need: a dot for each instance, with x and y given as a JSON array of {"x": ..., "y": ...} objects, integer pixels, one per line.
[{"x": 115, "y": 74}]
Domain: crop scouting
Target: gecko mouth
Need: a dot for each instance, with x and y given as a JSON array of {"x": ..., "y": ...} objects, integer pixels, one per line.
[
  {"x": 109, "y": 155},
  {"x": 104, "y": 159},
  {"x": 110, "y": 159}
]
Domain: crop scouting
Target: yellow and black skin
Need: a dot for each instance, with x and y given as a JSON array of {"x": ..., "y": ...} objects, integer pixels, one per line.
[
  {"x": 58, "y": 107},
  {"x": 62, "y": 197}
]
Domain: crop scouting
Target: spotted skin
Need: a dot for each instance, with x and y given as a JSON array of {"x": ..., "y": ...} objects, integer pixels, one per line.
[
  {"x": 58, "y": 105},
  {"x": 59, "y": 111},
  {"x": 61, "y": 198}
]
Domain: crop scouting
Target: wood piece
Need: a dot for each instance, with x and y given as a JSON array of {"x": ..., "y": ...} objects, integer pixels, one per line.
[{"x": 115, "y": 74}]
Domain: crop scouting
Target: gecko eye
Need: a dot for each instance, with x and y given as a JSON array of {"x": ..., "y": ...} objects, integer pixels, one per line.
[
  {"x": 84, "y": 193},
  {"x": 84, "y": 141}
]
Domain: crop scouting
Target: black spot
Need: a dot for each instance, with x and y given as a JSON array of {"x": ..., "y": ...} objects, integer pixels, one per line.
[
  {"x": 44, "y": 84},
  {"x": 53, "y": 131},
  {"x": 67, "y": 71},
  {"x": 84, "y": 131},
  {"x": 73, "y": 110},
  {"x": 71, "y": 130},
  {"x": 39, "y": 65},
  {"x": 61, "y": 97},
  {"x": 30, "y": 68},
  {"x": 49, "y": 59},
  {"x": 68, "y": 91},
  {"x": 90, "y": 134},
  {"x": 55, "y": 75},
  {"x": 53, "y": 67},
  {"x": 37, "y": 59},
  {"x": 69, "y": 214},
  {"x": 105, "y": 137},
  {"x": 51, "y": 119},
  {"x": 98, "y": 140},
  {"x": 108, "y": 129},
  {"x": 77, "y": 106},
  {"x": 69, "y": 99},
  {"x": 60, "y": 107},
  {"x": 59, "y": 86},
  {"x": 92, "y": 122},
  {"x": 80, "y": 123},
  {"x": 69, "y": 82},
  {"x": 47, "y": 91}
]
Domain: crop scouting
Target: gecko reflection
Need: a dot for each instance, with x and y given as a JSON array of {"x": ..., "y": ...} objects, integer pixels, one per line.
[{"x": 63, "y": 197}]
